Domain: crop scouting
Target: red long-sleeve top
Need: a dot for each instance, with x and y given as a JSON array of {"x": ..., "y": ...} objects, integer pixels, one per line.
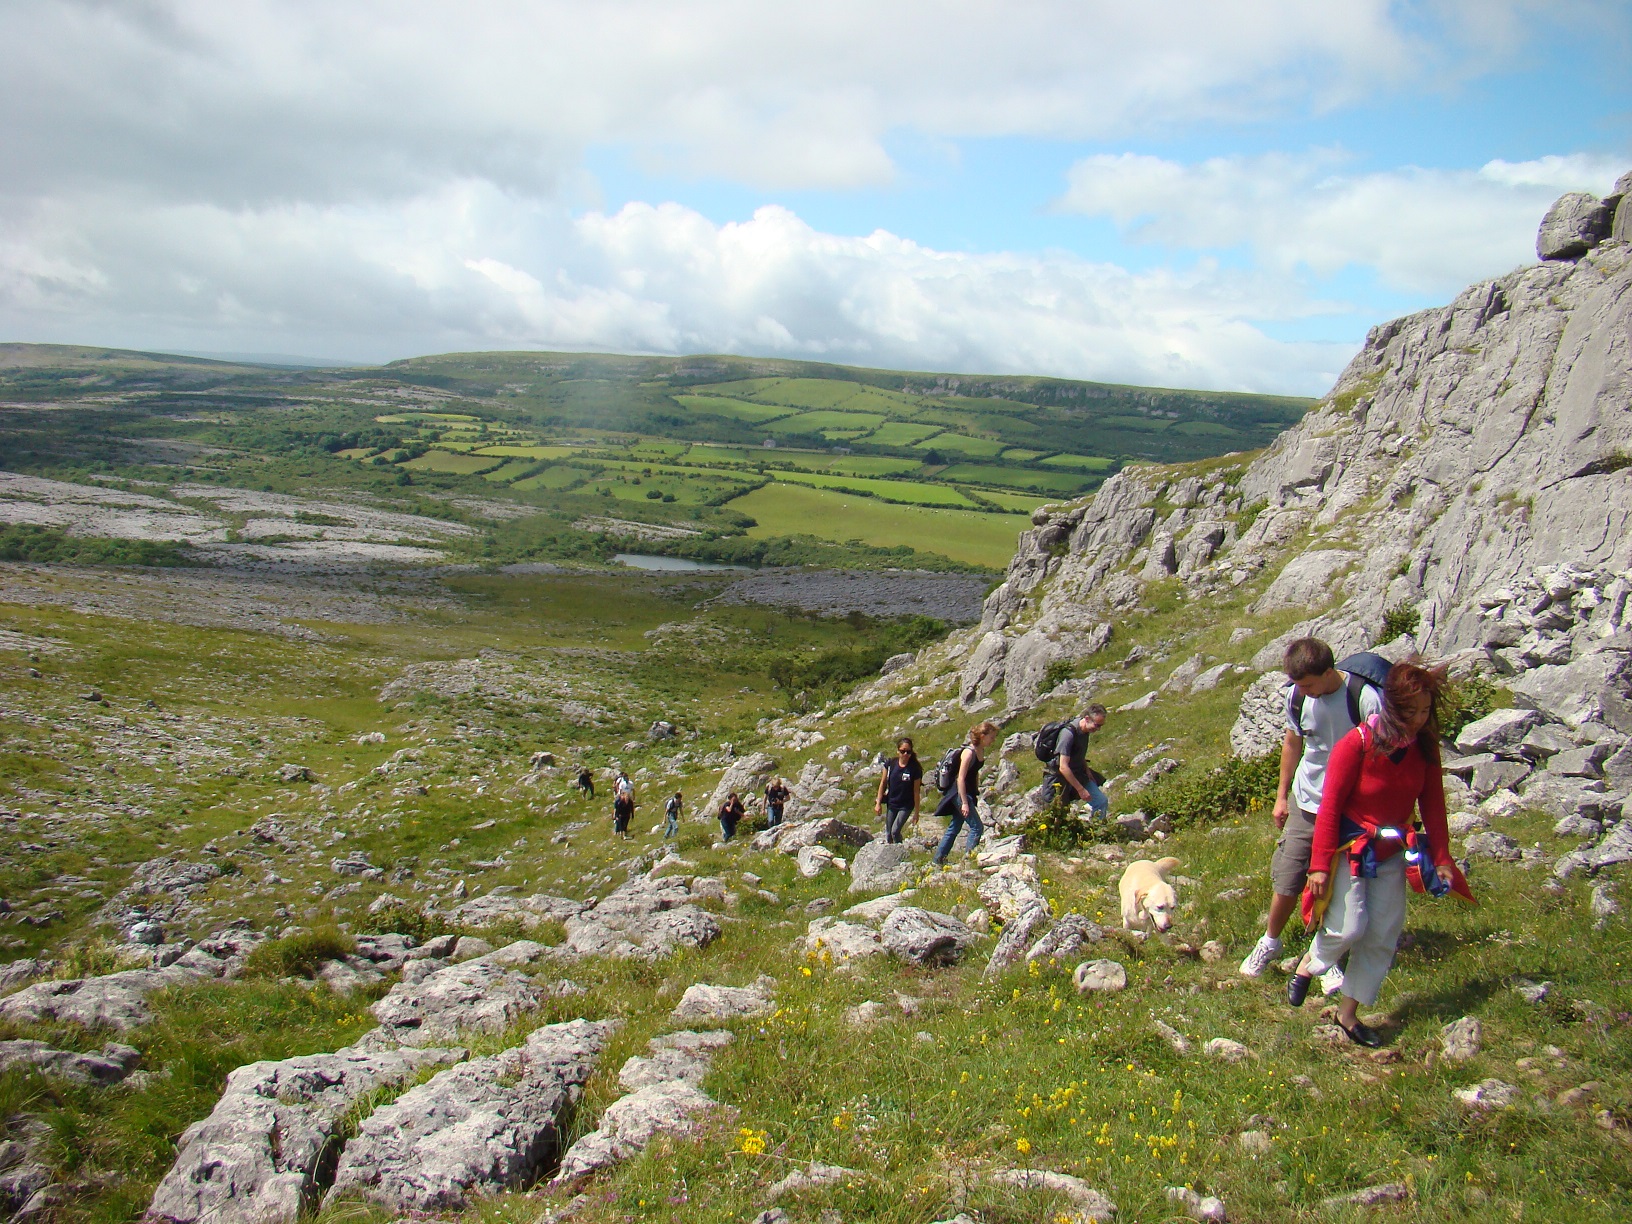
[{"x": 1372, "y": 789}]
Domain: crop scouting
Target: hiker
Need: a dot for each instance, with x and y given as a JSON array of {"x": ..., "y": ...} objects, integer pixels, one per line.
[
  {"x": 1321, "y": 708},
  {"x": 586, "y": 782},
  {"x": 623, "y": 786},
  {"x": 1367, "y": 847},
  {"x": 959, "y": 802},
  {"x": 1067, "y": 776},
  {"x": 623, "y": 808},
  {"x": 899, "y": 790},
  {"x": 673, "y": 809},
  {"x": 730, "y": 814},
  {"x": 776, "y": 798}
]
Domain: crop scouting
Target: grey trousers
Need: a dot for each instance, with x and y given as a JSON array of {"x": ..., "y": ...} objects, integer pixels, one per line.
[{"x": 1364, "y": 919}]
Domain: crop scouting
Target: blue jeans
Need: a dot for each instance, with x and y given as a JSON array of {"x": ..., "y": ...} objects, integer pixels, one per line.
[
  {"x": 773, "y": 813},
  {"x": 957, "y": 818},
  {"x": 1054, "y": 787},
  {"x": 672, "y": 829}
]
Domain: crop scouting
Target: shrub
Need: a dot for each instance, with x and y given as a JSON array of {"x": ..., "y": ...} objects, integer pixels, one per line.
[
  {"x": 1402, "y": 618},
  {"x": 1197, "y": 796},
  {"x": 405, "y": 919},
  {"x": 1465, "y": 701},
  {"x": 300, "y": 954},
  {"x": 1057, "y": 673}
]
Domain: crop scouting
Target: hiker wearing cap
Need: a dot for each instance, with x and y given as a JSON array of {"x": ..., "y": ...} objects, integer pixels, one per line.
[
  {"x": 899, "y": 790},
  {"x": 1067, "y": 776},
  {"x": 960, "y": 803},
  {"x": 1367, "y": 850},
  {"x": 1323, "y": 704}
]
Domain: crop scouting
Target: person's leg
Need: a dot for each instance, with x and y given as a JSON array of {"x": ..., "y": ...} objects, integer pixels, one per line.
[
  {"x": 1345, "y": 922},
  {"x": 895, "y": 820},
  {"x": 1288, "y": 870},
  {"x": 1099, "y": 803},
  {"x": 975, "y": 830},
  {"x": 1372, "y": 952},
  {"x": 954, "y": 822}
]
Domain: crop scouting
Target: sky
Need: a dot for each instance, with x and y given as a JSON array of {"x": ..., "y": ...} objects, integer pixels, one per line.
[{"x": 1221, "y": 194}]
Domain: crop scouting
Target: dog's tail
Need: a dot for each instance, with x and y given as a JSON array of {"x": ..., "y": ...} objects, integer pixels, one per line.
[{"x": 1163, "y": 866}]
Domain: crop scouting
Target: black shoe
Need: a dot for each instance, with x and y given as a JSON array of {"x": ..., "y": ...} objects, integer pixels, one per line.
[
  {"x": 1297, "y": 988},
  {"x": 1362, "y": 1035}
]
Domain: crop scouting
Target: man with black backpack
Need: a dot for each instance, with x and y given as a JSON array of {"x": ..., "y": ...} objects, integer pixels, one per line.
[
  {"x": 1063, "y": 747},
  {"x": 1324, "y": 702}
]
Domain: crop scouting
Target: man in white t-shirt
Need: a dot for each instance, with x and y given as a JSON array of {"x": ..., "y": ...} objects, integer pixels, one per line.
[{"x": 1317, "y": 716}]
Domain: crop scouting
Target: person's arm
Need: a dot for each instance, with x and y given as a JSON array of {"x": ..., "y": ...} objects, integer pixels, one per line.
[
  {"x": 966, "y": 786},
  {"x": 917, "y": 790},
  {"x": 1342, "y": 776},
  {"x": 1291, "y": 754},
  {"x": 1068, "y": 747},
  {"x": 1431, "y": 803},
  {"x": 883, "y": 782}
]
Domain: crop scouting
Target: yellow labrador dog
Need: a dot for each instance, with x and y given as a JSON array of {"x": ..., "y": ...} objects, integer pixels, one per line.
[{"x": 1146, "y": 894}]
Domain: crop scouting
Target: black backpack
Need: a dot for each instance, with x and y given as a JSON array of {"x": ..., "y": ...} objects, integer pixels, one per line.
[
  {"x": 946, "y": 773},
  {"x": 1047, "y": 742},
  {"x": 1366, "y": 668}
]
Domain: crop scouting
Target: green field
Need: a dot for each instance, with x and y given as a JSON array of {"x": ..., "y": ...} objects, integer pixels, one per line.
[
  {"x": 963, "y": 535},
  {"x": 817, "y": 422},
  {"x": 978, "y": 448},
  {"x": 446, "y": 461},
  {"x": 560, "y": 476},
  {"x": 911, "y": 492},
  {"x": 1016, "y": 454},
  {"x": 510, "y": 471},
  {"x": 1016, "y": 478},
  {"x": 1079, "y": 463},
  {"x": 1020, "y": 503},
  {"x": 528, "y": 452},
  {"x": 902, "y": 433},
  {"x": 723, "y": 406}
]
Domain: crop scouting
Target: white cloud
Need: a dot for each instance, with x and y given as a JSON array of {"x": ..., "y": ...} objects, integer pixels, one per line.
[
  {"x": 269, "y": 100},
  {"x": 471, "y": 267},
  {"x": 1423, "y": 231}
]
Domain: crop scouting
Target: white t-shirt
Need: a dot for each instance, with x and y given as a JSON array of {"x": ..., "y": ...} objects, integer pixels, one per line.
[{"x": 1325, "y": 721}]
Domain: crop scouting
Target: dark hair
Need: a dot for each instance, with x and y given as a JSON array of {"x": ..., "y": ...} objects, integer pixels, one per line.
[
  {"x": 1408, "y": 681},
  {"x": 1305, "y": 657},
  {"x": 907, "y": 740}
]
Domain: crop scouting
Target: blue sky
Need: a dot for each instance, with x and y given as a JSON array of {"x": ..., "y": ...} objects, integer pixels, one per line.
[{"x": 1223, "y": 194}]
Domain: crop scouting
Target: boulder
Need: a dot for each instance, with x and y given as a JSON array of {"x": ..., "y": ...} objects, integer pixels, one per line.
[
  {"x": 1499, "y": 732},
  {"x": 1560, "y": 796},
  {"x": 1577, "y": 222},
  {"x": 1088, "y": 1204},
  {"x": 1308, "y": 580},
  {"x": 813, "y": 860},
  {"x": 840, "y": 941},
  {"x": 1225, "y": 1050},
  {"x": 1593, "y": 688},
  {"x": 674, "y": 1056},
  {"x": 101, "y": 1070},
  {"x": 673, "y": 1107},
  {"x": 812, "y": 1177},
  {"x": 1013, "y": 888},
  {"x": 485, "y": 1125},
  {"x": 984, "y": 670},
  {"x": 477, "y": 996},
  {"x": 1261, "y": 723},
  {"x": 895, "y": 663},
  {"x": 1495, "y": 775},
  {"x": 1587, "y": 762},
  {"x": 878, "y": 909},
  {"x": 1208, "y": 1209},
  {"x": 720, "y": 1004},
  {"x": 1615, "y": 848},
  {"x": 1370, "y": 1196},
  {"x": 795, "y": 837},
  {"x": 255, "y": 1159},
  {"x": 1097, "y": 975},
  {"x": 1069, "y": 935},
  {"x": 880, "y": 866},
  {"x": 1492, "y": 845},
  {"x": 646, "y": 918},
  {"x": 746, "y": 775},
  {"x": 1460, "y": 1039},
  {"x": 1011, "y": 945},
  {"x": 923, "y": 937},
  {"x": 529, "y": 911},
  {"x": 1488, "y": 1094}
]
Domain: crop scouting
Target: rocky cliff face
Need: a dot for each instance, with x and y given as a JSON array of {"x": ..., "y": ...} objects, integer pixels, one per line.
[{"x": 1473, "y": 466}]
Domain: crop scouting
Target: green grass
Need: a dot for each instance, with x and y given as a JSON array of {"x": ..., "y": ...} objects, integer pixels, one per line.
[
  {"x": 510, "y": 471},
  {"x": 444, "y": 461},
  {"x": 1017, "y": 454},
  {"x": 902, "y": 433},
  {"x": 962, "y": 444},
  {"x": 529, "y": 452},
  {"x": 818, "y": 422},
  {"x": 967, "y": 536},
  {"x": 1016, "y": 478},
  {"x": 560, "y": 476},
  {"x": 1020, "y": 503}
]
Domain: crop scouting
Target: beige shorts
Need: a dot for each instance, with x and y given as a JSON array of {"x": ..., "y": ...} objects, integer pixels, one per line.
[{"x": 1290, "y": 867}]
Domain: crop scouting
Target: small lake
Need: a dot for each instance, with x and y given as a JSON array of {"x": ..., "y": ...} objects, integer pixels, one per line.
[{"x": 673, "y": 564}]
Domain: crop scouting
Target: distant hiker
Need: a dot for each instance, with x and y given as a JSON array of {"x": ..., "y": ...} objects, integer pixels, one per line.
[
  {"x": 899, "y": 790},
  {"x": 623, "y": 807},
  {"x": 730, "y": 814},
  {"x": 1066, "y": 775},
  {"x": 623, "y": 786},
  {"x": 1367, "y": 847},
  {"x": 959, "y": 774},
  {"x": 673, "y": 810},
  {"x": 1320, "y": 710},
  {"x": 776, "y": 798},
  {"x": 586, "y": 782}
]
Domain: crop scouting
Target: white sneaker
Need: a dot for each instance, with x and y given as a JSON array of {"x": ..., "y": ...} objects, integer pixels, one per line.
[
  {"x": 1331, "y": 981},
  {"x": 1263, "y": 952}
]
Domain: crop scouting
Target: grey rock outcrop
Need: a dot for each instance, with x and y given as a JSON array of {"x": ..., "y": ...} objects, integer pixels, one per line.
[
  {"x": 481, "y": 1126},
  {"x": 529, "y": 911},
  {"x": 719, "y": 1004},
  {"x": 644, "y": 919},
  {"x": 923, "y": 937},
  {"x": 1577, "y": 222},
  {"x": 480, "y": 996},
  {"x": 113, "y": 1064},
  {"x": 745, "y": 775},
  {"x": 255, "y": 1159},
  {"x": 1011, "y": 945},
  {"x": 881, "y": 866},
  {"x": 674, "y": 1056}
]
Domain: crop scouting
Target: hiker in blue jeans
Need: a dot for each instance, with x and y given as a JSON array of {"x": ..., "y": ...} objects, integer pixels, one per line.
[
  {"x": 958, "y": 805},
  {"x": 673, "y": 808}
]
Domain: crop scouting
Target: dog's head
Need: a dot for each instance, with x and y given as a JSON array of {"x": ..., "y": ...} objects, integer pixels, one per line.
[{"x": 1159, "y": 901}]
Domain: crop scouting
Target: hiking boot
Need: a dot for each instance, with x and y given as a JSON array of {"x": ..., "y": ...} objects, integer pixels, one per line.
[
  {"x": 1332, "y": 980},
  {"x": 1264, "y": 951}
]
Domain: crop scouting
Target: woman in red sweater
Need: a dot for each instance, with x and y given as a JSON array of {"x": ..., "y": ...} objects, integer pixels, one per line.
[{"x": 1379, "y": 774}]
